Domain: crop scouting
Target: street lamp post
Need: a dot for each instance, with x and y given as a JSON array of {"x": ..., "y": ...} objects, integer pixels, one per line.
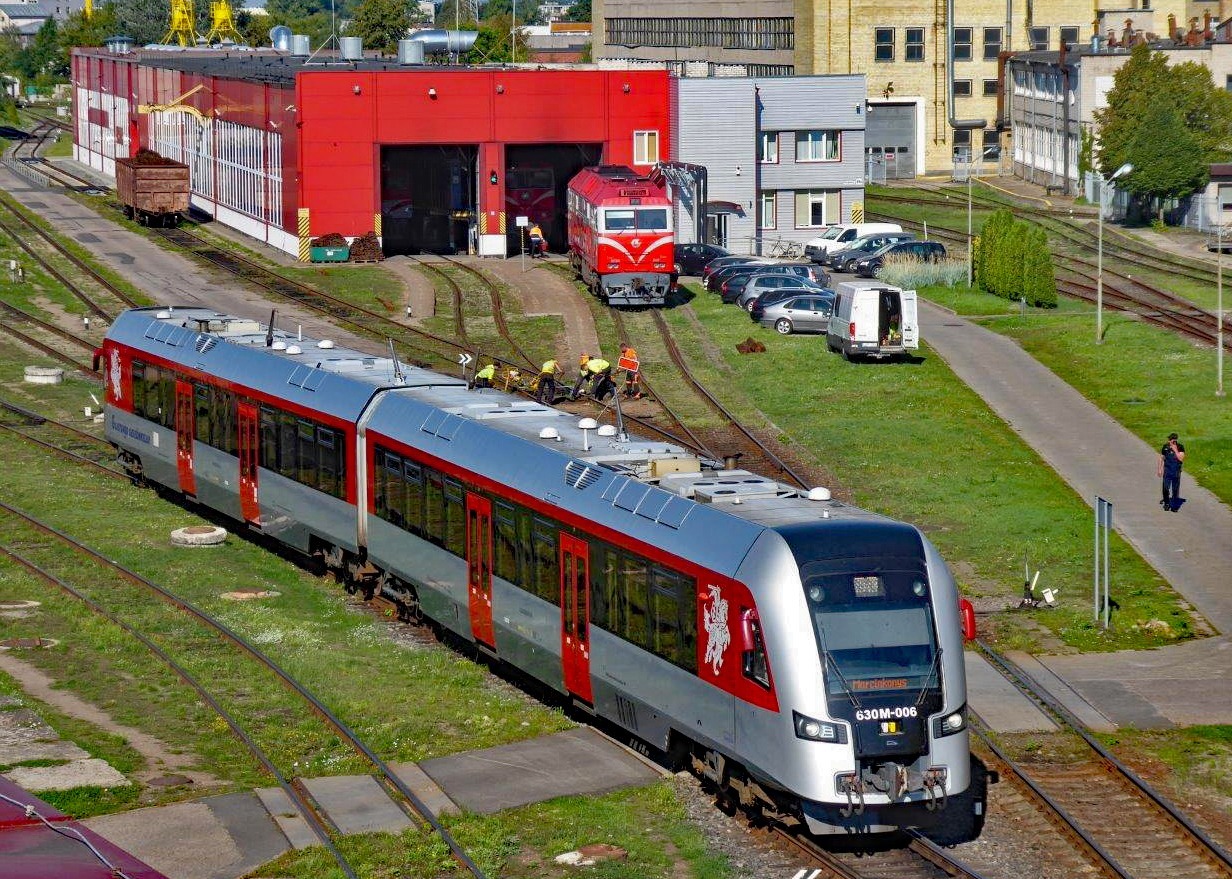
[
  {"x": 970, "y": 255},
  {"x": 1099, "y": 259},
  {"x": 1219, "y": 306}
]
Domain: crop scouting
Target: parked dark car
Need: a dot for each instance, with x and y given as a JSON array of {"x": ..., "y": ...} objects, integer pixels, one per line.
[
  {"x": 796, "y": 314},
  {"x": 733, "y": 286},
  {"x": 721, "y": 274},
  {"x": 691, "y": 259},
  {"x": 843, "y": 260},
  {"x": 759, "y": 284},
  {"x": 929, "y": 251},
  {"x": 720, "y": 262}
]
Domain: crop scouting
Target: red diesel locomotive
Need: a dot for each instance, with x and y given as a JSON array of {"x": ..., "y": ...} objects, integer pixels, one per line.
[{"x": 620, "y": 235}]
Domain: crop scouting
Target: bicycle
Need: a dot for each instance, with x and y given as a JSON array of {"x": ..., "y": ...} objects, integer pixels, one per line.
[{"x": 785, "y": 249}]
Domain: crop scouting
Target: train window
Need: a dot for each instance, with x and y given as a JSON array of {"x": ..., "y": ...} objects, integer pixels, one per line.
[
  {"x": 666, "y": 642},
  {"x": 380, "y": 483},
  {"x": 269, "y": 439},
  {"x": 139, "y": 388},
  {"x": 411, "y": 500},
  {"x": 637, "y": 593},
  {"x": 505, "y": 542},
  {"x": 307, "y": 453},
  {"x": 546, "y": 573},
  {"x": 618, "y": 220},
  {"x": 287, "y": 432},
  {"x": 201, "y": 401},
  {"x": 605, "y": 599},
  {"x": 224, "y": 417},
  {"x": 754, "y": 660},
  {"x": 434, "y": 506},
  {"x": 455, "y": 518},
  {"x": 327, "y": 446},
  {"x": 652, "y": 219}
]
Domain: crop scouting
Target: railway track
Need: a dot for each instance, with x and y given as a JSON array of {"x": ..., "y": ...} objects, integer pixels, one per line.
[
  {"x": 1126, "y": 828},
  {"x": 43, "y": 131},
  {"x": 78, "y": 264},
  {"x": 1121, "y": 292},
  {"x": 498, "y": 308},
  {"x": 918, "y": 859},
  {"x": 417, "y": 808},
  {"x": 62, "y": 439}
]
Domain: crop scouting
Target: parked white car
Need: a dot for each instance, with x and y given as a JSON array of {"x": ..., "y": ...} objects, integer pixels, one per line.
[{"x": 839, "y": 237}]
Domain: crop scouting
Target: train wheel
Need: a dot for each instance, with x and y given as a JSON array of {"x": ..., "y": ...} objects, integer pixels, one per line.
[{"x": 128, "y": 211}]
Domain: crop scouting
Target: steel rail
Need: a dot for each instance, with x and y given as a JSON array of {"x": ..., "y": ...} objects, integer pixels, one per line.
[
  {"x": 1208, "y": 849},
  {"x": 455, "y": 291},
  {"x": 77, "y": 261},
  {"x": 59, "y": 332},
  {"x": 339, "y": 726},
  {"x": 66, "y": 453},
  {"x": 306, "y": 811},
  {"x": 498, "y": 306},
  {"x": 678, "y": 358},
  {"x": 48, "y": 350}
]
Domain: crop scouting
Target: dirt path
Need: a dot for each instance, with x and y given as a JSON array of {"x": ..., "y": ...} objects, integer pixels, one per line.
[
  {"x": 420, "y": 294},
  {"x": 160, "y": 759}
]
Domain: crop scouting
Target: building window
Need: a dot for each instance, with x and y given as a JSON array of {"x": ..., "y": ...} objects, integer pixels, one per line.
[
  {"x": 768, "y": 147},
  {"x": 913, "y": 50},
  {"x": 767, "y": 218},
  {"x": 962, "y": 144},
  {"x": 992, "y": 43},
  {"x": 962, "y": 44},
  {"x": 1069, "y": 36},
  {"x": 992, "y": 145},
  {"x": 817, "y": 146},
  {"x": 816, "y": 208},
  {"x": 645, "y": 147},
  {"x": 990, "y": 88},
  {"x": 883, "y": 44},
  {"x": 962, "y": 88},
  {"x": 1038, "y": 37},
  {"x": 724, "y": 33},
  {"x": 1227, "y": 83}
]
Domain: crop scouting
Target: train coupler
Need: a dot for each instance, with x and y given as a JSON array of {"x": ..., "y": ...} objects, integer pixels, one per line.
[
  {"x": 934, "y": 787},
  {"x": 852, "y": 787}
]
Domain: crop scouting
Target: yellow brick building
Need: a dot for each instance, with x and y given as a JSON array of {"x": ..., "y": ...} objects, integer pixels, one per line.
[{"x": 899, "y": 45}]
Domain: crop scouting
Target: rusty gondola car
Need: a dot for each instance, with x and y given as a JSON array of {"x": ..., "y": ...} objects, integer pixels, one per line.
[{"x": 154, "y": 190}]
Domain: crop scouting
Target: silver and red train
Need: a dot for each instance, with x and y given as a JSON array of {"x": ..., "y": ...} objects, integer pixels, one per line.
[
  {"x": 620, "y": 235},
  {"x": 804, "y": 655}
]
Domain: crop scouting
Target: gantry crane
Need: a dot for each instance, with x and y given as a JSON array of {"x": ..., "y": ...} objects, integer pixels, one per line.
[
  {"x": 183, "y": 29},
  {"x": 222, "y": 24}
]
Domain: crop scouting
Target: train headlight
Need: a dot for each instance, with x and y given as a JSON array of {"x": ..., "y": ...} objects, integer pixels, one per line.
[
  {"x": 948, "y": 724},
  {"x": 818, "y": 730}
]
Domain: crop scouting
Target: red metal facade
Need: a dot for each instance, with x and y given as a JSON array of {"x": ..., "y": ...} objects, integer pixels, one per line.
[
  {"x": 334, "y": 121},
  {"x": 345, "y": 118}
]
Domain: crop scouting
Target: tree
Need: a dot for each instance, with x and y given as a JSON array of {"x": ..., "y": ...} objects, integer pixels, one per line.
[
  {"x": 492, "y": 44},
  {"x": 528, "y": 10},
  {"x": 145, "y": 21},
  {"x": 1202, "y": 108},
  {"x": 381, "y": 23},
  {"x": 579, "y": 11},
  {"x": 1039, "y": 283},
  {"x": 993, "y": 232},
  {"x": 1165, "y": 167},
  {"x": 454, "y": 13},
  {"x": 78, "y": 30}
]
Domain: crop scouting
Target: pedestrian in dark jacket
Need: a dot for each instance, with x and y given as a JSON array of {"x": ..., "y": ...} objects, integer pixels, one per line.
[{"x": 1171, "y": 459}]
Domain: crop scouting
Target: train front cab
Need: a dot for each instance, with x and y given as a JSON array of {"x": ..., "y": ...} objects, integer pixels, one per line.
[{"x": 862, "y": 627}]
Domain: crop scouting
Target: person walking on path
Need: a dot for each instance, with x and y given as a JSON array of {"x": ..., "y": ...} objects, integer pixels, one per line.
[
  {"x": 633, "y": 377},
  {"x": 1171, "y": 459},
  {"x": 546, "y": 392}
]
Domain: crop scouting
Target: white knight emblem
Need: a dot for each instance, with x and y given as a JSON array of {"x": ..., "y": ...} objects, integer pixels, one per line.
[
  {"x": 718, "y": 635},
  {"x": 115, "y": 374}
]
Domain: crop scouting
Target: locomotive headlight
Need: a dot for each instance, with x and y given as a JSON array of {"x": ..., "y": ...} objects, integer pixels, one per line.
[
  {"x": 950, "y": 723},
  {"x": 818, "y": 730}
]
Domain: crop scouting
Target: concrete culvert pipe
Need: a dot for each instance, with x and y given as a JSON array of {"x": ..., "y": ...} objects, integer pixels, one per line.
[{"x": 199, "y": 535}]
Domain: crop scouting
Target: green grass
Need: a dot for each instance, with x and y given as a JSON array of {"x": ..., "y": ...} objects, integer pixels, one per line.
[
  {"x": 62, "y": 148},
  {"x": 914, "y": 442},
  {"x": 1197, "y": 759},
  {"x": 648, "y": 823}
]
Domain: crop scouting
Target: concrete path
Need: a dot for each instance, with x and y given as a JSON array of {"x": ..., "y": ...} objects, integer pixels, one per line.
[
  {"x": 1096, "y": 456},
  {"x": 1179, "y": 685},
  {"x": 542, "y": 291}
]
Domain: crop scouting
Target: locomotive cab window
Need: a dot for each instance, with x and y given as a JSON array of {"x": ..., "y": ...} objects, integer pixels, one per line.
[
  {"x": 652, "y": 220},
  {"x": 755, "y": 666},
  {"x": 619, "y": 219}
]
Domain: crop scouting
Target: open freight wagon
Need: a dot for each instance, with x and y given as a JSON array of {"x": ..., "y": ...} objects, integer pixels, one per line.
[{"x": 154, "y": 190}]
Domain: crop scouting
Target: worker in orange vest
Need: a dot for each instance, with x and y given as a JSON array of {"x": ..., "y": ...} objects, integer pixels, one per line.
[{"x": 633, "y": 377}]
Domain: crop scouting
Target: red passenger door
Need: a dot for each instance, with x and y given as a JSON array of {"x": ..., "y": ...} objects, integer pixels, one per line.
[
  {"x": 185, "y": 432},
  {"x": 246, "y": 447},
  {"x": 479, "y": 567},
  {"x": 575, "y": 616}
]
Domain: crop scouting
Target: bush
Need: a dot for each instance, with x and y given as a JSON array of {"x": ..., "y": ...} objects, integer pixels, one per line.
[
  {"x": 911, "y": 273},
  {"x": 994, "y": 231},
  {"x": 1039, "y": 286},
  {"x": 1013, "y": 261}
]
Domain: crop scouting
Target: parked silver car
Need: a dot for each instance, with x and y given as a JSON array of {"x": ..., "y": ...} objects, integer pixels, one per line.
[
  {"x": 759, "y": 284},
  {"x": 807, "y": 313}
]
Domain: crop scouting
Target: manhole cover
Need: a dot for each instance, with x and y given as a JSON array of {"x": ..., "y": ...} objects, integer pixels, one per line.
[
  {"x": 27, "y": 643},
  {"x": 170, "y": 781}
]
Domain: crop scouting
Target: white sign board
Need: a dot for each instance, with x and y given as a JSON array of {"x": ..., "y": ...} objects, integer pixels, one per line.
[{"x": 522, "y": 221}]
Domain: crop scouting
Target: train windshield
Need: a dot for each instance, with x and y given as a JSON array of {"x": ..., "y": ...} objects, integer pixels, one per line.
[{"x": 635, "y": 219}]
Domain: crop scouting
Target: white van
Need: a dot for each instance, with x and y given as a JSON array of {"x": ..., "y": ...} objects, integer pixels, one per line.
[
  {"x": 871, "y": 319},
  {"x": 838, "y": 237}
]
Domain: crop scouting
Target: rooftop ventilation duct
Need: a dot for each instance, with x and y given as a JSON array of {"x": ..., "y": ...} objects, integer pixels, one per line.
[
  {"x": 436, "y": 42},
  {"x": 410, "y": 52},
  {"x": 300, "y": 46},
  {"x": 280, "y": 37},
  {"x": 119, "y": 45},
  {"x": 351, "y": 48}
]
